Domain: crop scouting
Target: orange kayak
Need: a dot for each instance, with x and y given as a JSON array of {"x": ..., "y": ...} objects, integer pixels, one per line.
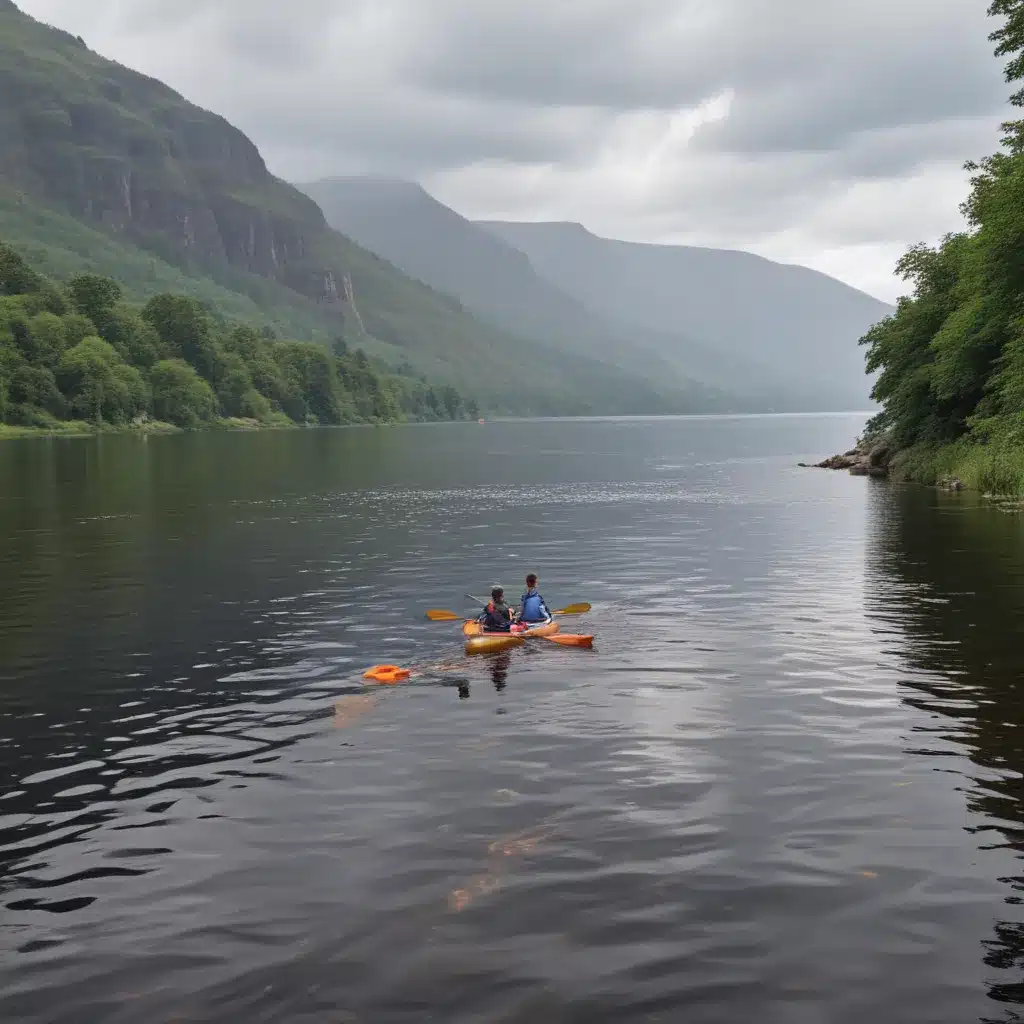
[
  {"x": 480, "y": 642},
  {"x": 473, "y": 628},
  {"x": 488, "y": 643}
]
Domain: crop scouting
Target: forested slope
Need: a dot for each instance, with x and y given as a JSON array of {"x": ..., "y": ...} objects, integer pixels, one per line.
[{"x": 951, "y": 357}]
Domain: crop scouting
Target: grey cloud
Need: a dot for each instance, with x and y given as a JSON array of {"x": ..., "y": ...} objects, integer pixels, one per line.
[{"x": 564, "y": 108}]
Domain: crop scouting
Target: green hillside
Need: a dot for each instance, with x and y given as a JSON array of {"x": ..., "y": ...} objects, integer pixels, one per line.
[
  {"x": 185, "y": 201},
  {"x": 80, "y": 357}
]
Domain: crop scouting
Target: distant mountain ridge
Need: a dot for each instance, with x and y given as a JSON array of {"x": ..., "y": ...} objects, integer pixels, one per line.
[
  {"x": 402, "y": 223},
  {"x": 557, "y": 283},
  {"x": 791, "y": 318}
]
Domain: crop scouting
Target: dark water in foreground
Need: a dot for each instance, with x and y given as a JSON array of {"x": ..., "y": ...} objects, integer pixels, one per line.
[{"x": 785, "y": 786}]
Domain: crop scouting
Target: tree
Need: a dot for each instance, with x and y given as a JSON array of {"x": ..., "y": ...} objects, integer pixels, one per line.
[
  {"x": 183, "y": 326},
  {"x": 50, "y": 338},
  {"x": 99, "y": 384},
  {"x": 95, "y": 297},
  {"x": 77, "y": 327},
  {"x": 16, "y": 276},
  {"x": 254, "y": 405},
  {"x": 180, "y": 395},
  {"x": 233, "y": 383},
  {"x": 36, "y": 388}
]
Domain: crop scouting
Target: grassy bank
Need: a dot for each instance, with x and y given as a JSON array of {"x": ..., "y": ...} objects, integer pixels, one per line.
[
  {"x": 81, "y": 428},
  {"x": 995, "y": 468}
]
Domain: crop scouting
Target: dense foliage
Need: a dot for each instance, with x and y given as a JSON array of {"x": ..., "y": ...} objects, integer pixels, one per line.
[
  {"x": 81, "y": 352},
  {"x": 952, "y": 355}
]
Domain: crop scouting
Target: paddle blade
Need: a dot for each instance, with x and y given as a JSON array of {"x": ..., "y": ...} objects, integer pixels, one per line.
[
  {"x": 572, "y": 639},
  {"x": 472, "y": 628},
  {"x": 441, "y": 615},
  {"x": 574, "y": 609}
]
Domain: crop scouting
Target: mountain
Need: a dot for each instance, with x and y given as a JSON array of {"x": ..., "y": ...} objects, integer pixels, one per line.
[
  {"x": 799, "y": 323},
  {"x": 399, "y": 221},
  {"x": 770, "y": 335},
  {"x": 92, "y": 147}
]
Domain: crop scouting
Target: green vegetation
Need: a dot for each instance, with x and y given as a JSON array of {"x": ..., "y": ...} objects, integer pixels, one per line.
[
  {"x": 81, "y": 353},
  {"x": 952, "y": 355}
]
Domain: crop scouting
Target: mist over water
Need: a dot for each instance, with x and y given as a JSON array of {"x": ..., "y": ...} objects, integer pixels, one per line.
[{"x": 784, "y": 786}]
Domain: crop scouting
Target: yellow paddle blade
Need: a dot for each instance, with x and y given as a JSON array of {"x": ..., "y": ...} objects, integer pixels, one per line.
[
  {"x": 441, "y": 615},
  {"x": 472, "y": 628},
  {"x": 574, "y": 609}
]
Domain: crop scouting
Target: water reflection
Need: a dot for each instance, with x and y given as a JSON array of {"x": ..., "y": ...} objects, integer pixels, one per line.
[
  {"x": 948, "y": 581},
  {"x": 785, "y": 788}
]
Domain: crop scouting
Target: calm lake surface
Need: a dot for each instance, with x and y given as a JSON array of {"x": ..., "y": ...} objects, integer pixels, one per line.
[{"x": 785, "y": 786}]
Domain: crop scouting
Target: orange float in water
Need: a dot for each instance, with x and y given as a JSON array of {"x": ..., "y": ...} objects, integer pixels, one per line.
[{"x": 386, "y": 674}]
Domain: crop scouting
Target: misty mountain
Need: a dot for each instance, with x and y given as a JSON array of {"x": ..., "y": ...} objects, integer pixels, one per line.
[
  {"x": 802, "y": 324},
  {"x": 402, "y": 223},
  {"x": 595, "y": 307}
]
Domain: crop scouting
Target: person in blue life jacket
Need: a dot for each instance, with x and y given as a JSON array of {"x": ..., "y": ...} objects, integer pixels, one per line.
[
  {"x": 532, "y": 607},
  {"x": 497, "y": 616}
]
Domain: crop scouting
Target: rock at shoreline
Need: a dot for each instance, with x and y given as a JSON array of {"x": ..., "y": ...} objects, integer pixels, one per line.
[{"x": 867, "y": 459}]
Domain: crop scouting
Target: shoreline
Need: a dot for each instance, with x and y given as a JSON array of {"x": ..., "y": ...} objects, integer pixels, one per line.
[
  {"x": 996, "y": 472},
  {"x": 75, "y": 429},
  {"x": 82, "y": 428}
]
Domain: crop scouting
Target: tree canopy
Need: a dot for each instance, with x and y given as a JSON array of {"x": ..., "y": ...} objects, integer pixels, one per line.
[
  {"x": 952, "y": 355},
  {"x": 80, "y": 351}
]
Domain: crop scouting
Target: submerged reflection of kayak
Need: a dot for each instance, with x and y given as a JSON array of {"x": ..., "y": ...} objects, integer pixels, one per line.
[{"x": 481, "y": 642}]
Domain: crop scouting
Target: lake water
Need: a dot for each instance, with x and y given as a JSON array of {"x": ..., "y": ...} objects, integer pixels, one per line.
[{"x": 784, "y": 786}]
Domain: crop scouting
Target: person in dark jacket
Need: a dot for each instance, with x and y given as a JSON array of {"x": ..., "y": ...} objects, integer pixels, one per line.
[
  {"x": 497, "y": 616},
  {"x": 533, "y": 607}
]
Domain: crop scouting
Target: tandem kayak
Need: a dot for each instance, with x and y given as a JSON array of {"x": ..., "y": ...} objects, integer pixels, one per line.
[{"x": 480, "y": 642}]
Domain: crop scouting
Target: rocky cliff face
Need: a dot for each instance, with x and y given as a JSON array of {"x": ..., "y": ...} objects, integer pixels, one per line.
[{"x": 114, "y": 147}]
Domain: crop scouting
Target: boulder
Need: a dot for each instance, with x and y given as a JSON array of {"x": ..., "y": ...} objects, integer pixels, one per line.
[{"x": 867, "y": 459}]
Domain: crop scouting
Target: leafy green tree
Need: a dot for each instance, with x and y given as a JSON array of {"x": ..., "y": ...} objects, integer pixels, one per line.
[
  {"x": 16, "y": 276},
  {"x": 183, "y": 326},
  {"x": 245, "y": 342},
  {"x": 97, "y": 298},
  {"x": 180, "y": 395},
  {"x": 99, "y": 385},
  {"x": 36, "y": 388},
  {"x": 77, "y": 327},
  {"x": 233, "y": 383},
  {"x": 140, "y": 343},
  {"x": 254, "y": 406},
  {"x": 50, "y": 338}
]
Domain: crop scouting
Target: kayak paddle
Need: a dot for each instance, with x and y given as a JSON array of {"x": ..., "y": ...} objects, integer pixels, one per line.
[
  {"x": 570, "y": 609},
  {"x": 443, "y": 615},
  {"x": 571, "y": 639}
]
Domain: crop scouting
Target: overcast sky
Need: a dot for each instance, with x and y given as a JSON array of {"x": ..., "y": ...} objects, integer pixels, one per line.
[{"x": 825, "y": 132}]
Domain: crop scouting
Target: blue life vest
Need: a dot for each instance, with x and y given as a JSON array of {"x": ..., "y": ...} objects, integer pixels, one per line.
[{"x": 533, "y": 608}]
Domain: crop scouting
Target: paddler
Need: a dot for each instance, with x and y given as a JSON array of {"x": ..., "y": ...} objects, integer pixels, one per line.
[
  {"x": 532, "y": 607},
  {"x": 497, "y": 616}
]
